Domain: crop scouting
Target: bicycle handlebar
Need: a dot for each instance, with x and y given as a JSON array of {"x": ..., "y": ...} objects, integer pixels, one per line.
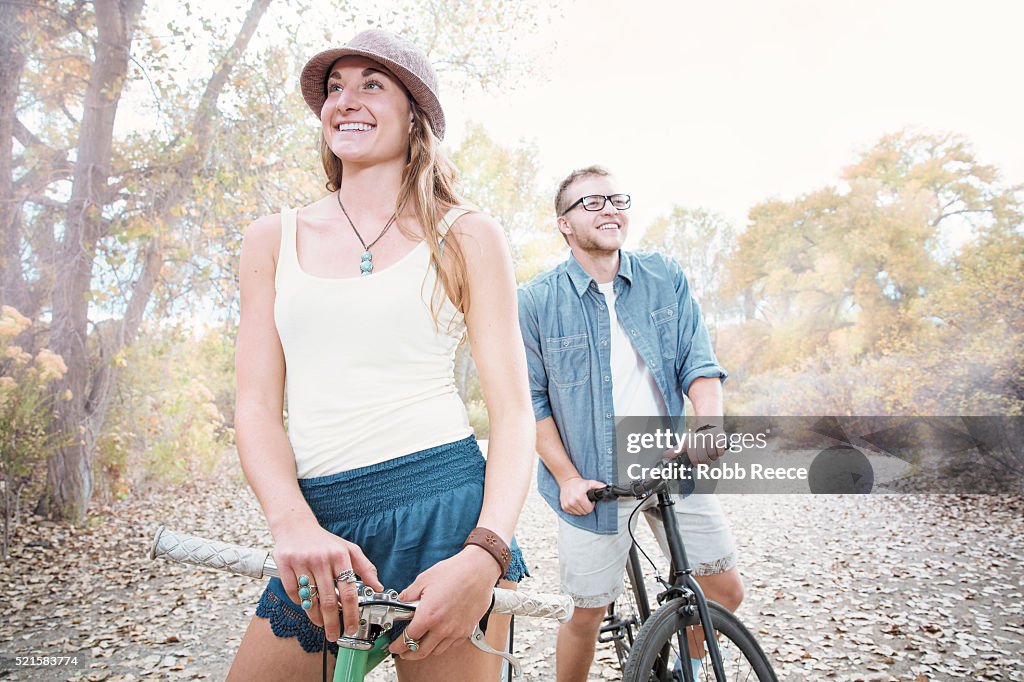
[
  {"x": 637, "y": 489},
  {"x": 189, "y": 549}
]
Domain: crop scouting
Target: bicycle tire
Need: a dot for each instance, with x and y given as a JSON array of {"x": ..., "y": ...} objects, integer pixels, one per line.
[{"x": 743, "y": 659}]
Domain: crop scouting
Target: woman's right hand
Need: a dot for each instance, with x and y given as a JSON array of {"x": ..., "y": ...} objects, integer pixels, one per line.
[{"x": 305, "y": 548}]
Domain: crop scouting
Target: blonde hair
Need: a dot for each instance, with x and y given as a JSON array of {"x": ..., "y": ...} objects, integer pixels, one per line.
[
  {"x": 428, "y": 185},
  {"x": 561, "y": 196}
]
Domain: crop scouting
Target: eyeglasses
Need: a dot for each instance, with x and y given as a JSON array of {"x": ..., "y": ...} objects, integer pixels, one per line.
[{"x": 596, "y": 202}]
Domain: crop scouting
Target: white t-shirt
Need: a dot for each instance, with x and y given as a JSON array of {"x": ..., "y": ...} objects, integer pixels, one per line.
[{"x": 634, "y": 390}]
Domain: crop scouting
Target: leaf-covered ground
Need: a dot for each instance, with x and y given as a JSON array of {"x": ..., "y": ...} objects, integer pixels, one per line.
[{"x": 880, "y": 587}]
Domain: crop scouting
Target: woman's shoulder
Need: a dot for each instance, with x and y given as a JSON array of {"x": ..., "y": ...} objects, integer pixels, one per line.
[
  {"x": 261, "y": 240},
  {"x": 483, "y": 242},
  {"x": 477, "y": 224},
  {"x": 263, "y": 233}
]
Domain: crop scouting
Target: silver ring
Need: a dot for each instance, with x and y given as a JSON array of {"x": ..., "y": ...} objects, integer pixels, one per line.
[
  {"x": 346, "y": 576},
  {"x": 410, "y": 643}
]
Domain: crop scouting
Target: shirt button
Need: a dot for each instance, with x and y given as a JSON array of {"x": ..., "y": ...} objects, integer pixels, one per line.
[
  {"x": 604, "y": 342},
  {"x": 600, "y": 306},
  {"x": 607, "y": 379},
  {"x": 669, "y": 313},
  {"x": 634, "y": 332},
  {"x": 609, "y": 451},
  {"x": 565, "y": 343},
  {"x": 607, "y": 415}
]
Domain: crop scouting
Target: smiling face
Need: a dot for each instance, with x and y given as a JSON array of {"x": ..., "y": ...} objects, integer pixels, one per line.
[
  {"x": 596, "y": 232},
  {"x": 366, "y": 118}
]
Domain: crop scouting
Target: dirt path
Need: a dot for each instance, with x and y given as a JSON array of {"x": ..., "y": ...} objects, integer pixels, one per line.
[{"x": 838, "y": 588}]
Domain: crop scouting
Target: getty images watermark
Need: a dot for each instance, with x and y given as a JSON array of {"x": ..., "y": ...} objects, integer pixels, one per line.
[
  {"x": 673, "y": 466},
  {"x": 826, "y": 454}
]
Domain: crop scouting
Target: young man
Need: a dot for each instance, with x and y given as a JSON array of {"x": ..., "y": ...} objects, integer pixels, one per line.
[{"x": 612, "y": 333}]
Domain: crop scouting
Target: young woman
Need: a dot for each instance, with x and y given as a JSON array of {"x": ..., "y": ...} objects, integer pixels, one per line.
[{"x": 360, "y": 300}]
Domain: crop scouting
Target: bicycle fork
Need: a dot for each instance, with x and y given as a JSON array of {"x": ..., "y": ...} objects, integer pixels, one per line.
[
  {"x": 710, "y": 641},
  {"x": 685, "y": 577}
]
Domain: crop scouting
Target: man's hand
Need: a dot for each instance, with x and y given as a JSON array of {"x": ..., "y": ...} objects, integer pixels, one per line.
[
  {"x": 704, "y": 445},
  {"x": 573, "y": 495}
]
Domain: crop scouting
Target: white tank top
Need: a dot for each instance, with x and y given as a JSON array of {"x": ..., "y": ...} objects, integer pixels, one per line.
[{"x": 369, "y": 377}]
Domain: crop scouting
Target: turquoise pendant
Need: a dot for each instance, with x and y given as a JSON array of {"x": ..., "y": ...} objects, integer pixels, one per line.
[{"x": 366, "y": 266}]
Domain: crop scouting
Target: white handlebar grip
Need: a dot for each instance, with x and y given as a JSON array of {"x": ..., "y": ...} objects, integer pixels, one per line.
[
  {"x": 536, "y": 605},
  {"x": 188, "y": 549}
]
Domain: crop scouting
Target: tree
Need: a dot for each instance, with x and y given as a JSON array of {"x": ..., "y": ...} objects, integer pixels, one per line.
[
  {"x": 969, "y": 356},
  {"x": 136, "y": 149},
  {"x": 702, "y": 242},
  {"x": 25, "y": 403},
  {"x": 95, "y": 174},
  {"x": 842, "y": 267},
  {"x": 502, "y": 181},
  {"x": 861, "y": 304}
]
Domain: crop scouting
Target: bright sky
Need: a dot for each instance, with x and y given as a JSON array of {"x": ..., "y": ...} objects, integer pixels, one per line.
[{"x": 724, "y": 104}]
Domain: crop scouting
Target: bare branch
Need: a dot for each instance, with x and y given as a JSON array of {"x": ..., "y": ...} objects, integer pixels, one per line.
[{"x": 963, "y": 210}]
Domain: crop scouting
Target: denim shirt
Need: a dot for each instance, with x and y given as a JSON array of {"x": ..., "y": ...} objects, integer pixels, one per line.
[{"x": 566, "y": 329}]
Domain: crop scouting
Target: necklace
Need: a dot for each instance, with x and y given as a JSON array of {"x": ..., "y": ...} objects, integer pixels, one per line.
[{"x": 366, "y": 263}]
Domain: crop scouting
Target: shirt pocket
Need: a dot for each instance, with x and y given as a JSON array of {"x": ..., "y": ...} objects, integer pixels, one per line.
[
  {"x": 666, "y": 324},
  {"x": 567, "y": 360}
]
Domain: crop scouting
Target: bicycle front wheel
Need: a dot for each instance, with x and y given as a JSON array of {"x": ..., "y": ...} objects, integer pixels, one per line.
[{"x": 659, "y": 654}]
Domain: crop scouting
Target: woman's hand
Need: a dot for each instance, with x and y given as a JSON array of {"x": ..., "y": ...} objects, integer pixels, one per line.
[
  {"x": 454, "y": 594},
  {"x": 304, "y": 548},
  {"x": 572, "y": 495}
]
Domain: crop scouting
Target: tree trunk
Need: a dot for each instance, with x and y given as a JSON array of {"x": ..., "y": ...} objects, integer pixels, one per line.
[
  {"x": 69, "y": 469},
  {"x": 152, "y": 257},
  {"x": 12, "y": 62},
  {"x": 80, "y": 420},
  {"x": 749, "y": 308}
]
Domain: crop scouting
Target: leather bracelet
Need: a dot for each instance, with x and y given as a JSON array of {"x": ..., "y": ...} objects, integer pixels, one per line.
[{"x": 492, "y": 542}]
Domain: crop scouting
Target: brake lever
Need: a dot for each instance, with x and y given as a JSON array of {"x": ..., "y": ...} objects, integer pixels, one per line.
[{"x": 477, "y": 638}]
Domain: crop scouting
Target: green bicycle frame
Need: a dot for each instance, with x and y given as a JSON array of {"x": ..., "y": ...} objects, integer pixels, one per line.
[{"x": 353, "y": 665}]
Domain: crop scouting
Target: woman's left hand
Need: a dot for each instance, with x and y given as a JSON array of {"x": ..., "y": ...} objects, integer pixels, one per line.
[{"x": 454, "y": 594}]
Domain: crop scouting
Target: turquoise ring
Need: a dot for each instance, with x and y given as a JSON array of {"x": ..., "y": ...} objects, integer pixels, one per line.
[{"x": 307, "y": 592}]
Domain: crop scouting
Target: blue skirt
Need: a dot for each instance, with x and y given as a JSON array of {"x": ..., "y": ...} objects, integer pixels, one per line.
[{"x": 406, "y": 514}]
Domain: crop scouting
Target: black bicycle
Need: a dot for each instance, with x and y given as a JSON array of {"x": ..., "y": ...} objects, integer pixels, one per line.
[{"x": 657, "y": 647}]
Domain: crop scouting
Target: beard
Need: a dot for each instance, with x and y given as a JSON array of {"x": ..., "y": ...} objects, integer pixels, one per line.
[{"x": 594, "y": 242}]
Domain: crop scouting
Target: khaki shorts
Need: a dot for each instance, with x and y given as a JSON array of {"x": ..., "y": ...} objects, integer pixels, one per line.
[{"x": 592, "y": 565}]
